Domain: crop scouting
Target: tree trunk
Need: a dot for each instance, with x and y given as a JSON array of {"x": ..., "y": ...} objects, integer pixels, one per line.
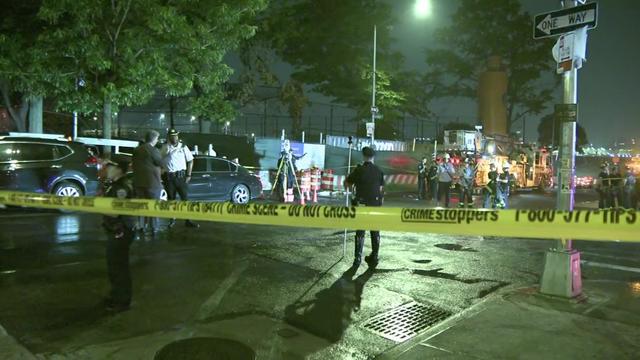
[
  {"x": 35, "y": 114},
  {"x": 18, "y": 116},
  {"x": 106, "y": 125}
]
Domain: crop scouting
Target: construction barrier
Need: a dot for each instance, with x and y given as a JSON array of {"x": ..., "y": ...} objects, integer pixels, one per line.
[
  {"x": 327, "y": 180},
  {"x": 599, "y": 225}
]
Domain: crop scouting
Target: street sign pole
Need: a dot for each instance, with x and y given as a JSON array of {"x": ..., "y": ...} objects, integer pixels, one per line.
[{"x": 562, "y": 275}]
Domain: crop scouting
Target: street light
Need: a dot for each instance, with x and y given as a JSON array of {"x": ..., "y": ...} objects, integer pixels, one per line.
[{"x": 422, "y": 8}]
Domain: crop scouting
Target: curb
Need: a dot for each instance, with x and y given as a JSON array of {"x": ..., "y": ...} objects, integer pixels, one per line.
[{"x": 10, "y": 349}]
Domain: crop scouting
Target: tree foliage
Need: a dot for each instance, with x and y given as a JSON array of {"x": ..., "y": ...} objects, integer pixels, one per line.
[
  {"x": 329, "y": 43},
  {"x": 24, "y": 66},
  {"x": 128, "y": 49},
  {"x": 550, "y": 132},
  {"x": 484, "y": 28}
]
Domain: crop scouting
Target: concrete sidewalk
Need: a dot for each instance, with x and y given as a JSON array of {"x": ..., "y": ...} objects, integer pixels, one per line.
[
  {"x": 10, "y": 349},
  {"x": 604, "y": 324}
]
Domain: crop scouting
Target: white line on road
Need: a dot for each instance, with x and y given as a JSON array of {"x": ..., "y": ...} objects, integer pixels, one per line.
[
  {"x": 214, "y": 300},
  {"x": 610, "y": 266}
]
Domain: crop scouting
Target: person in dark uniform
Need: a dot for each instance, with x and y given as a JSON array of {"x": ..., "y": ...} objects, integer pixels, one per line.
[
  {"x": 368, "y": 181},
  {"x": 604, "y": 186},
  {"x": 120, "y": 232},
  {"x": 615, "y": 192},
  {"x": 422, "y": 179},
  {"x": 432, "y": 178}
]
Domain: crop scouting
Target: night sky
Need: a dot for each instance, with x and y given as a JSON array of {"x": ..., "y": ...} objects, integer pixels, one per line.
[{"x": 609, "y": 99}]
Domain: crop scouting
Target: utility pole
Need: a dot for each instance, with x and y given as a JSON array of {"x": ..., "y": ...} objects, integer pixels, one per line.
[{"x": 562, "y": 274}]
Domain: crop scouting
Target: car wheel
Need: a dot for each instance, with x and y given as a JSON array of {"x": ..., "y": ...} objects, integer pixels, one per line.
[
  {"x": 67, "y": 188},
  {"x": 163, "y": 195},
  {"x": 240, "y": 194}
]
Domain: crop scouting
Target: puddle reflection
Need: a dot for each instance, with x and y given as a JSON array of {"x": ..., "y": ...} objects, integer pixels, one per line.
[{"x": 67, "y": 229}]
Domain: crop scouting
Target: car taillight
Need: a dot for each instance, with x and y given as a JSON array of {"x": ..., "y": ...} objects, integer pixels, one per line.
[{"x": 92, "y": 161}]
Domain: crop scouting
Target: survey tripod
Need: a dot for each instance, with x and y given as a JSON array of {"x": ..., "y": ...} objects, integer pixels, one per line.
[{"x": 286, "y": 168}]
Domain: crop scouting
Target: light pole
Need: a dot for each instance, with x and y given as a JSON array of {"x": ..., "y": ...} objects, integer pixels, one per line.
[
  {"x": 374, "y": 109},
  {"x": 421, "y": 9}
]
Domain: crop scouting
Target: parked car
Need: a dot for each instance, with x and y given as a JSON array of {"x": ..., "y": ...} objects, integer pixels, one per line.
[
  {"x": 218, "y": 179},
  {"x": 59, "y": 167}
]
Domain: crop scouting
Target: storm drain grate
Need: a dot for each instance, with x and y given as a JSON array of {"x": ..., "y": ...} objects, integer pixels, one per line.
[{"x": 405, "y": 321}]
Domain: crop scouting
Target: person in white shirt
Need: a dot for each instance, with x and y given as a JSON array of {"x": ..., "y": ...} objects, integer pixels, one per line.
[
  {"x": 446, "y": 173},
  {"x": 178, "y": 168}
]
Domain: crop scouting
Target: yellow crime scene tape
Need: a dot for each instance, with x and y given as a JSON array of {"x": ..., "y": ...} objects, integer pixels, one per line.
[{"x": 598, "y": 225}]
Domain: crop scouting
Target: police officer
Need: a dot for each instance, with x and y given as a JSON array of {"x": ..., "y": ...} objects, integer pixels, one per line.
[
  {"x": 504, "y": 185},
  {"x": 178, "y": 168},
  {"x": 604, "y": 186},
  {"x": 467, "y": 178},
  {"x": 432, "y": 178},
  {"x": 368, "y": 181},
  {"x": 120, "y": 235},
  {"x": 615, "y": 194},
  {"x": 422, "y": 179}
]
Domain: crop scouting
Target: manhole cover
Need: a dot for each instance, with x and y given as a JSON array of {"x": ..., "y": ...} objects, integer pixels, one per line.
[
  {"x": 205, "y": 348},
  {"x": 405, "y": 321}
]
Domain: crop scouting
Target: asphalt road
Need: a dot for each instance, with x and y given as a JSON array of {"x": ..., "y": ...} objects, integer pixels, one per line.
[{"x": 286, "y": 291}]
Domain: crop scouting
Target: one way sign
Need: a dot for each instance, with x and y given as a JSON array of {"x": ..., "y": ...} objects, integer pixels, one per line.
[{"x": 565, "y": 20}]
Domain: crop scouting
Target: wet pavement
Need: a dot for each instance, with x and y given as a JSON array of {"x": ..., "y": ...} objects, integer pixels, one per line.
[{"x": 287, "y": 293}]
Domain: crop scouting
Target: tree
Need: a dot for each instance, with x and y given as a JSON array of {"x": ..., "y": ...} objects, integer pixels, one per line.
[
  {"x": 23, "y": 64},
  {"x": 126, "y": 50},
  {"x": 329, "y": 44},
  {"x": 550, "y": 133},
  {"x": 484, "y": 28},
  {"x": 292, "y": 94}
]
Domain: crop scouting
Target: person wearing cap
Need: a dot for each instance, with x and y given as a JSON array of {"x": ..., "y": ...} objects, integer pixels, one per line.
[
  {"x": 467, "y": 179},
  {"x": 422, "y": 179},
  {"x": 504, "y": 185},
  {"x": 368, "y": 181},
  {"x": 120, "y": 231},
  {"x": 147, "y": 164},
  {"x": 604, "y": 186},
  {"x": 446, "y": 173},
  {"x": 178, "y": 167}
]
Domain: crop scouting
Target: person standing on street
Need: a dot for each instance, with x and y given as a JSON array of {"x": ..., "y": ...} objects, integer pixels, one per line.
[
  {"x": 368, "y": 181},
  {"x": 147, "y": 163},
  {"x": 446, "y": 173},
  {"x": 604, "y": 186},
  {"x": 422, "y": 179},
  {"x": 616, "y": 182},
  {"x": 467, "y": 179},
  {"x": 178, "y": 169},
  {"x": 432, "y": 178},
  {"x": 491, "y": 191},
  {"x": 630, "y": 199},
  {"x": 120, "y": 231},
  {"x": 504, "y": 185}
]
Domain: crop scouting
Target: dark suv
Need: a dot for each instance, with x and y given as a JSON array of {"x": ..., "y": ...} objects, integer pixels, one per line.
[{"x": 57, "y": 167}]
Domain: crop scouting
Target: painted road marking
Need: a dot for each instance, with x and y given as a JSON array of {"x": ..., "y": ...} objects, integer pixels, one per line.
[
  {"x": 214, "y": 300},
  {"x": 610, "y": 266}
]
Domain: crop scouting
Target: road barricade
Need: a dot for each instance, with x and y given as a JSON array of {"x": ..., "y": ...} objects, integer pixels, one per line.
[{"x": 599, "y": 225}]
